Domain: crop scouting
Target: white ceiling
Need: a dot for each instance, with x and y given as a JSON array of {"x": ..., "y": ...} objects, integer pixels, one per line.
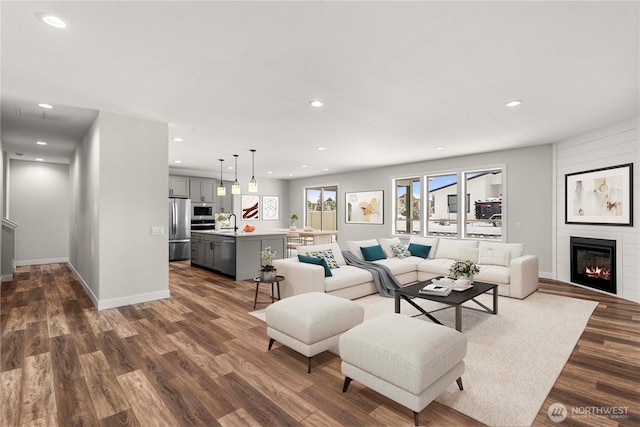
[{"x": 398, "y": 79}]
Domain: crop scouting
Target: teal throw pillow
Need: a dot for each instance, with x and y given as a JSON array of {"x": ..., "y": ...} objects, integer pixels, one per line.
[
  {"x": 326, "y": 255},
  {"x": 373, "y": 253},
  {"x": 419, "y": 250},
  {"x": 400, "y": 251},
  {"x": 317, "y": 261}
]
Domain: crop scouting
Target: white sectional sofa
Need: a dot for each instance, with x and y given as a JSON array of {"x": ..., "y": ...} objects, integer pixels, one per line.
[{"x": 504, "y": 264}]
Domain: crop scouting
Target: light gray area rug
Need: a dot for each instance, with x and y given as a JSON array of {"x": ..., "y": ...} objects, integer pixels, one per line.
[{"x": 513, "y": 358}]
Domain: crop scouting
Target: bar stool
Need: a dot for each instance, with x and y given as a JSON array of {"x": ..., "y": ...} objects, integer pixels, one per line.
[{"x": 293, "y": 241}]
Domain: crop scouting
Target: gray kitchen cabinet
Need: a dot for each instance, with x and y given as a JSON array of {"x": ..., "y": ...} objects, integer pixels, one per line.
[
  {"x": 236, "y": 255},
  {"x": 202, "y": 190},
  {"x": 178, "y": 186}
]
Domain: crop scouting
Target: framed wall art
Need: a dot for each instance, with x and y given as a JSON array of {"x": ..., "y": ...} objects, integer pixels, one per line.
[
  {"x": 600, "y": 196},
  {"x": 270, "y": 208},
  {"x": 250, "y": 207},
  {"x": 364, "y": 207}
]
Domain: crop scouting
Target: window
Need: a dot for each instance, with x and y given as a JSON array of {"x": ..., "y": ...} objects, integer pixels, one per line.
[
  {"x": 321, "y": 203},
  {"x": 442, "y": 193},
  {"x": 484, "y": 219},
  {"x": 407, "y": 206}
]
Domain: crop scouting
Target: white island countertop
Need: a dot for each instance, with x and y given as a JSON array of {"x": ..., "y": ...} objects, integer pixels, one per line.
[{"x": 240, "y": 233}]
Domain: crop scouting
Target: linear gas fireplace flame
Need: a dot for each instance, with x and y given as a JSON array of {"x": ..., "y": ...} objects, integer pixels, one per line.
[
  {"x": 593, "y": 263},
  {"x": 597, "y": 272}
]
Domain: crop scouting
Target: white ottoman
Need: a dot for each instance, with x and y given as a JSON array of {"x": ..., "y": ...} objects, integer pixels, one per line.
[
  {"x": 311, "y": 323},
  {"x": 410, "y": 361}
]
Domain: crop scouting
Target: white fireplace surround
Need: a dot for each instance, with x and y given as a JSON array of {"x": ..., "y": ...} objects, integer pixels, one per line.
[{"x": 614, "y": 145}]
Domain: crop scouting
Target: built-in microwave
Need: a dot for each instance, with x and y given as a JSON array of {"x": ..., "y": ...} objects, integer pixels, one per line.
[{"x": 201, "y": 210}]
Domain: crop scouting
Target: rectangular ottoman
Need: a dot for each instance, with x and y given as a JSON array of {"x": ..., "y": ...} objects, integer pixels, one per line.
[
  {"x": 311, "y": 323},
  {"x": 410, "y": 361}
]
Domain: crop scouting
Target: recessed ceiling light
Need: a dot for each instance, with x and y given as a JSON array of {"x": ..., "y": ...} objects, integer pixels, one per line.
[
  {"x": 325, "y": 169},
  {"x": 39, "y": 159},
  {"x": 177, "y": 139},
  {"x": 41, "y": 143},
  {"x": 321, "y": 148},
  {"x": 316, "y": 103},
  {"x": 177, "y": 161},
  {"x": 303, "y": 166},
  {"x": 290, "y": 174},
  {"x": 54, "y": 21},
  {"x": 269, "y": 172},
  {"x": 439, "y": 148},
  {"x": 47, "y": 106},
  {"x": 513, "y": 103}
]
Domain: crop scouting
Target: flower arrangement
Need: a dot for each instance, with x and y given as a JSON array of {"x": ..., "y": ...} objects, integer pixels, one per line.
[
  {"x": 268, "y": 255},
  {"x": 463, "y": 268}
]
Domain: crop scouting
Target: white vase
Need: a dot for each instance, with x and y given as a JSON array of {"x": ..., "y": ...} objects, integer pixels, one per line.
[
  {"x": 269, "y": 275},
  {"x": 469, "y": 278}
]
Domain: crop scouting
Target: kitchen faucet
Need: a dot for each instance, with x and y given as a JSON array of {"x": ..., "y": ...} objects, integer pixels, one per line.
[{"x": 235, "y": 226}]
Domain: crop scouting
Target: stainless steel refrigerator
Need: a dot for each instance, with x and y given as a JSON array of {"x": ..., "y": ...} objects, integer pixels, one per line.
[{"x": 179, "y": 229}]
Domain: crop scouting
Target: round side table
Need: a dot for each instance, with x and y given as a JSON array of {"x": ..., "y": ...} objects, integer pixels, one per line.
[{"x": 275, "y": 281}]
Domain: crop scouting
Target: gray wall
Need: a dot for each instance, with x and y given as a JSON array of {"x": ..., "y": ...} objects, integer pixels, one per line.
[
  {"x": 529, "y": 195},
  {"x": 39, "y": 203},
  {"x": 119, "y": 191}
]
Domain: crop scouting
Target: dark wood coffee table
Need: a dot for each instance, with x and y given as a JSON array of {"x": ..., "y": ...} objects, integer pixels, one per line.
[{"x": 454, "y": 299}]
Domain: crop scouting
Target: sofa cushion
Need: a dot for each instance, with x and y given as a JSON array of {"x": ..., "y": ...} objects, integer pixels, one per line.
[
  {"x": 427, "y": 241},
  {"x": 452, "y": 249},
  {"x": 421, "y": 251},
  {"x": 400, "y": 251},
  {"x": 438, "y": 266},
  {"x": 516, "y": 250},
  {"x": 373, "y": 253},
  {"x": 337, "y": 252},
  {"x": 470, "y": 254},
  {"x": 388, "y": 243},
  {"x": 493, "y": 257},
  {"x": 346, "y": 276},
  {"x": 317, "y": 261},
  {"x": 354, "y": 246},
  {"x": 398, "y": 266},
  {"x": 493, "y": 274}
]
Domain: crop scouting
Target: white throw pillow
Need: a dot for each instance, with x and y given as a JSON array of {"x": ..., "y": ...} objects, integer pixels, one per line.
[
  {"x": 354, "y": 246},
  {"x": 493, "y": 257},
  {"x": 386, "y": 244},
  {"x": 469, "y": 254},
  {"x": 452, "y": 248},
  {"x": 516, "y": 250}
]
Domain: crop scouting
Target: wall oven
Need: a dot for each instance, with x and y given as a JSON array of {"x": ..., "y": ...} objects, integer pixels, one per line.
[{"x": 202, "y": 211}]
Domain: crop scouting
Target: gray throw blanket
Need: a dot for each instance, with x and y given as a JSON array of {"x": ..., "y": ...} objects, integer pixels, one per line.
[{"x": 384, "y": 280}]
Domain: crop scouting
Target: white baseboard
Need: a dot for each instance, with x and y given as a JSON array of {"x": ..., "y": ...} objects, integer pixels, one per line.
[
  {"x": 42, "y": 261},
  {"x": 6, "y": 278},
  {"x": 133, "y": 299},
  {"x": 119, "y": 302},
  {"x": 86, "y": 287},
  {"x": 546, "y": 275}
]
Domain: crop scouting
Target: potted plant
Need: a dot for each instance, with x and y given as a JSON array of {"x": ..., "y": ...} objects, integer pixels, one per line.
[
  {"x": 292, "y": 222},
  {"x": 464, "y": 269},
  {"x": 268, "y": 271},
  {"x": 221, "y": 219}
]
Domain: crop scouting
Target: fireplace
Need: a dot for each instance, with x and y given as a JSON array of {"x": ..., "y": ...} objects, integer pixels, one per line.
[{"x": 593, "y": 263}]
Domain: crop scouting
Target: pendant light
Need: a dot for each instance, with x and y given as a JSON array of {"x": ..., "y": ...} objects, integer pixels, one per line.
[
  {"x": 221, "y": 190},
  {"x": 235, "y": 188},
  {"x": 253, "y": 185}
]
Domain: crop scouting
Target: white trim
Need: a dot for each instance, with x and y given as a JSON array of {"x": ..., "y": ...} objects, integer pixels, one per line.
[
  {"x": 133, "y": 299},
  {"x": 6, "y": 278},
  {"x": 122, "y": 301},
  {"x": 546, "y": 275},
  {"x": 42, "y": 261}
]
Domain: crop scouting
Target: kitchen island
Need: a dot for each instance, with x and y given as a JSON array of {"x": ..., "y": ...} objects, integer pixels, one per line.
[{"x": 234, "y": 254}]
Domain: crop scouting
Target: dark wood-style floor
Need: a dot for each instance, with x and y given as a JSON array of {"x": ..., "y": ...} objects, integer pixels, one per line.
[{"x": 198, "y": 358}]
